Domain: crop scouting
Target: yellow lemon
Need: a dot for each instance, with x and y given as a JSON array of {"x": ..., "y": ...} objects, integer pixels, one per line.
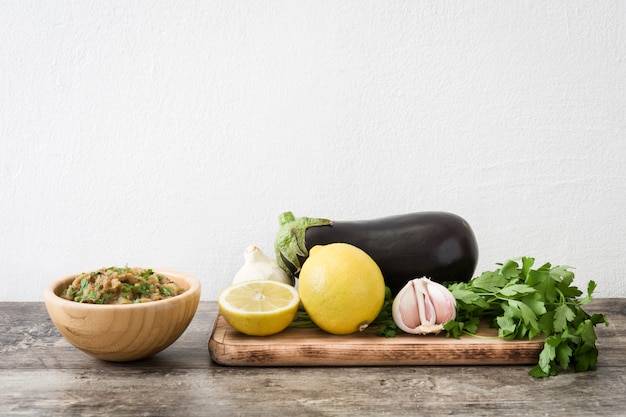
[
  {"x": 341, "y": 288},
  {"x": 259, "y": 308}
]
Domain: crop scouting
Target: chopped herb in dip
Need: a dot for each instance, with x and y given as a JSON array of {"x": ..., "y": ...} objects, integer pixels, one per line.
[{"x": 121, "y": 286}]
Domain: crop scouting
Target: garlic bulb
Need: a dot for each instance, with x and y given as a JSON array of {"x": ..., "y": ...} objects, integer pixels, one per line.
[
  {"x": 423, "y": 306},
  {"x": 258, "y": 266}
]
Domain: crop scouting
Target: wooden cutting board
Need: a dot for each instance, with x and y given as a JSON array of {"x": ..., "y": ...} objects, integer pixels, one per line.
[{"x": 313, "y": 347}]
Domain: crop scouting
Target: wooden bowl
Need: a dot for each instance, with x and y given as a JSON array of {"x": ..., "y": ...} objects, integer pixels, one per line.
[{"x": 123, "y": 332}]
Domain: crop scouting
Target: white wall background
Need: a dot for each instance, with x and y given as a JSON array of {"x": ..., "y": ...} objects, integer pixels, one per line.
[{"x": 171, "y": 134}]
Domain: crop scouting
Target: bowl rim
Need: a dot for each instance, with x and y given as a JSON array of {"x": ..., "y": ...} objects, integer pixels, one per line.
[{"x": 51, "y": 297}]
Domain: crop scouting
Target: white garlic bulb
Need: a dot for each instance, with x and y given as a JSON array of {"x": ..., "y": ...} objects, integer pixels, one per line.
[
  {"x": 423, "y": 306},
  {"x": 258, "y": 266}
]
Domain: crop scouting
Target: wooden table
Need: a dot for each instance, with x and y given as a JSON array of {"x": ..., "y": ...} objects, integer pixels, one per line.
[{"x": 42, "y": 375}]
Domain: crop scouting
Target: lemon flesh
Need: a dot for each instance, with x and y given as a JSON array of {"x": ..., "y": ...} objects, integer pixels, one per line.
[
  {"x": 259, "y": 308},
  {"x": 341, "y": 288}
]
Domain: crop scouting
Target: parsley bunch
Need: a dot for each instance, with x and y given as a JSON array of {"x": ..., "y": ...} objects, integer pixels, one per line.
[{"x": 522, "y": 302}]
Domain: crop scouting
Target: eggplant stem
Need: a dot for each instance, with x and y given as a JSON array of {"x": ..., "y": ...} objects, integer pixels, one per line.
[{"x": 290, "y": 242}]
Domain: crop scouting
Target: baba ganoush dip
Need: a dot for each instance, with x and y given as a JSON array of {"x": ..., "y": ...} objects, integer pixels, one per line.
[{"x": 121, "y": 286}]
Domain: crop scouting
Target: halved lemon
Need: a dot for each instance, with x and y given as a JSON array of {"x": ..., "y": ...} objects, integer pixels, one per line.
[{"x": 259, "y": 308}]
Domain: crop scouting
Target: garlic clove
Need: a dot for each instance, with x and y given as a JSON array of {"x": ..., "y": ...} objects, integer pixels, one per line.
[
  {"x": 258, "y": 266},
  {"x": 443, "y": 302},
  {"x": 427, "y": 310},
  {"x": 405, "y": 307},
  {"x": 423, "y": 306}
]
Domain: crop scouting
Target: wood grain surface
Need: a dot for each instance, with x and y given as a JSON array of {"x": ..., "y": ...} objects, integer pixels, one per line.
[
  {"x": 41, "y": 374},
  {"x": 313, "y": 347}
]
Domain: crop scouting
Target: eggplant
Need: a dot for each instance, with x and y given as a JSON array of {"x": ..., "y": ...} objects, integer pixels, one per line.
[{"x": 438, "y": 245}]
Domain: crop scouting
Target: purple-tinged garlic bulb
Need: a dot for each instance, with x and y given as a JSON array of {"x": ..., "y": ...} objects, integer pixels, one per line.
[{"x": 423, "y": 306}]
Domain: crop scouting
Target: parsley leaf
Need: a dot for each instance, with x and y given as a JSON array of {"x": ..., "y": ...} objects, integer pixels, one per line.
[{"x": 562, "y": 315}]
